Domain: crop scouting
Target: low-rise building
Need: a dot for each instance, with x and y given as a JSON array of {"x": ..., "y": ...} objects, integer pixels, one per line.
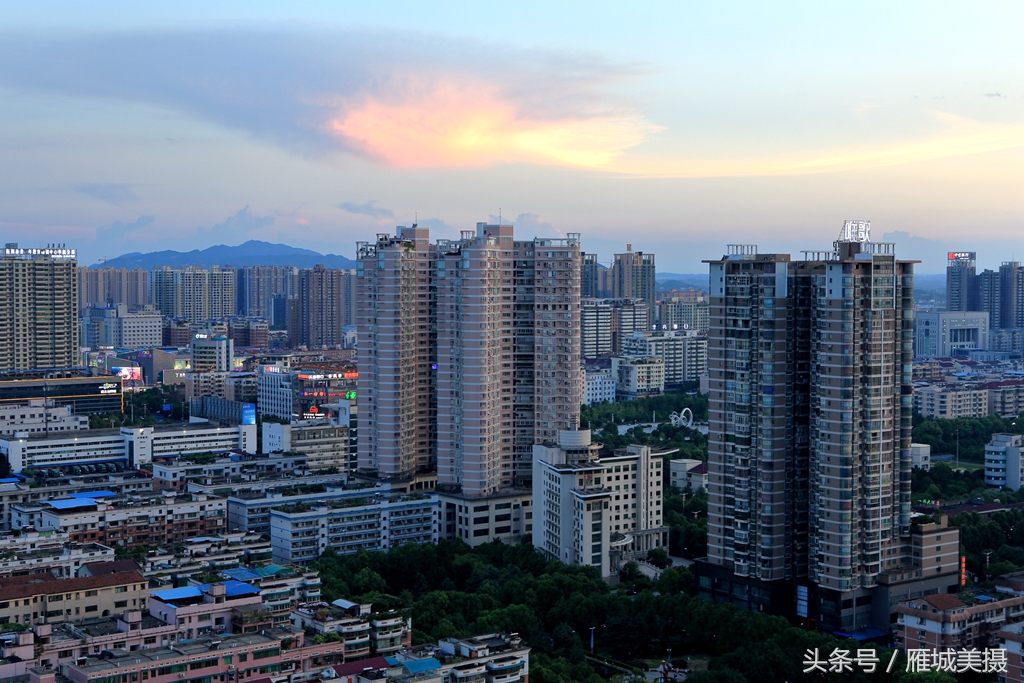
[
  {"x": 59, "y": 557},
  {"x": 686, "y": 473},
  {"x": 133, "y": 446},
  {"x": 133, "y": 521},
  {"x": 208, "y": 554},
  {"x": 34, "y": 597},
  {"x": 300, "y": 532},
  {"x": 637, "y": 376},
  {"x": 45, "y": 487},
  {"x": 951, "y": 400},
  {"x": 961, "y": 622},
  {"x": 205, "y": 609},
  {"x": 364, "y": 630},
  {"x": 39, "y": 417},
  {"x": 600, "y": 386},
  {"x": 921, "y": 456},
  {"x": 505, "y": 516},
  {"x": 327, "y": 446},
  {"x": 281, "y": 587}
]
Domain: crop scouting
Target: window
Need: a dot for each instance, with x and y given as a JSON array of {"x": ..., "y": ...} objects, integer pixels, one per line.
[
  {"x": 121, "y": 603},
  {"x": 91, "y": 608},
  {"x": 91, "y": 594},
  {"x": 121, "y": 589}
]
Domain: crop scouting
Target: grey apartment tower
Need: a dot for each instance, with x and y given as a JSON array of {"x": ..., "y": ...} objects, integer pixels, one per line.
[{"x": 810, "y": 430}]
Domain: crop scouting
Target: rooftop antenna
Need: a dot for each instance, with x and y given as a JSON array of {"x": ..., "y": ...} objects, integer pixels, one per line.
[{"x": 499, "y": 215}]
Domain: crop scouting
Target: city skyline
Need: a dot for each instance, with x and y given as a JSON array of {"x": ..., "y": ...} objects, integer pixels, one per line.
[{"x": 314, "y": 125}]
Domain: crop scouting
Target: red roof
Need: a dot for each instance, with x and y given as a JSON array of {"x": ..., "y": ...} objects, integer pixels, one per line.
[
  {"x": 14, "y": 587},
  {"x": 700, "y": 469},
  {"x": 943, "y": 601},
  {"x": 361, "y": 665}
]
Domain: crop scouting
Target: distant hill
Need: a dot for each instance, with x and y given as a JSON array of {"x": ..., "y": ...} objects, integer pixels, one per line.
[
  {"x": 251, "y": 253},
  {"x": 681, "y": 281}
]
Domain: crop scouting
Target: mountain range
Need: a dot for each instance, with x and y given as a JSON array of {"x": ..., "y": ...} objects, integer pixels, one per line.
[{"x": 251, "y": 253}]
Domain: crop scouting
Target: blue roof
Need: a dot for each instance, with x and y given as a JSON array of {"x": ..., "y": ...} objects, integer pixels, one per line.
[
  {"x": 72, "y": 503},
  {"x": 94, "y": 494},
  {"x": 391, "y": 660},
  {"x": 12, "y": 480},
  {"x": 418, "y": 665},
  {"x": 241, "y": 574},
  {"x": 232, "y": 589}
]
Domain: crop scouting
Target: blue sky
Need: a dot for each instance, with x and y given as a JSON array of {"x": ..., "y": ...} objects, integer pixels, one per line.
[{"x": 678, "y": 127}]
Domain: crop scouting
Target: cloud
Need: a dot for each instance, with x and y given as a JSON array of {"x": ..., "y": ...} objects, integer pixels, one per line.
[
  {"x": 931, "y": 252},
  {"x": 440, "y": 101},
  {"x": 120, "y": 231},
  {"x": 367, "y": 209},
  {"x": 528, "y": 224},
  {"x": 111, "y": 193},
  {"x": 242, "y": 226},
  {"x": 994, "y": 94}
]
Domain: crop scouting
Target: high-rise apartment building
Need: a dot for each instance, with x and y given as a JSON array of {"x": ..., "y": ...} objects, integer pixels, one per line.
[
  {"x": 397, "y": 353},
  {"x": 98, "y": 287},
  {"x": 961, "y": 281},
  {"x": 325, "y": 305},
  {"x": 38, "y": 308},
  {"x": 810, "y": 429},
  {"x": 258, "y": 285},
  {"x": 469, "y": 353},
  {"x": 194, "y": 293},
  {"x": 633, "y": 276}
]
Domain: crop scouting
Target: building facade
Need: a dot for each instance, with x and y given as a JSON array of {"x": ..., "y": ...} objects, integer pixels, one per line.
[
  {"x": 38, "y": 308},
  {"x": 943, "y": 334},
  {"x": 810, "y": 428}
]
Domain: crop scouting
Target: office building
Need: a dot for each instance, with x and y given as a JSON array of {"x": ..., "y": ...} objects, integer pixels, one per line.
[
  {"x": 961, "y": 282},
  {"x": 326, "y": 303},
  {"x": 85, "y": 395},
  {"x": 38, "y": 308},
  {"x": 593, "y": 508},
  {"x": 370, "y": 522},
  {"x": 211, "y": 353},
  {"x": 114, "y": 326},
  {"x": 633, "y": 276},
  {"x": 810, "y": 427},
  {"x": 102, "y": 287},
  {"x": 942, "y": 333},
  {"x": 193, "y": 293},
  {"x": 291, "y": 391},
  {"x": 1002, "y": 461},
  {"x": 129, "y": 446},
  {"x": 39, "y": 417},
  {"x": 469, "y": 354}
]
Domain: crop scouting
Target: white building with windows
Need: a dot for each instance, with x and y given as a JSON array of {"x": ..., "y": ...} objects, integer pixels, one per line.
[
  {"x": 593, "y": 508},
  {"x": 637, "y": 376},
  {"x": 600, "y": 387},
  {"x": 35, "y": 417}
]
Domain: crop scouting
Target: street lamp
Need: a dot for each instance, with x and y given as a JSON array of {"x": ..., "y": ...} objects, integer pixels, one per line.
[{"x": 592, "y": 639}]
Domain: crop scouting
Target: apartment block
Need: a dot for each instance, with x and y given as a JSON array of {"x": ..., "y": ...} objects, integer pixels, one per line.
[
  {"x": 810, "y": 430},
  {"x": 503, "y": 517},
  {"x": 32, "y": 598},
  {"x": 600, "y": 386},
  {"x": 951, "y": 400},
  {"x": 38, "y": 308},
  {"x": 325, "y": 445},
  {"x": 637, "y": 376},
  {"x": 99, "y": 287},
  {"x": 134, "y": 521},
  {"x": 961, "y": 281},
  {"x": 959, "y": 622},
  {"x": 39, "y": 417},
  {"x": 194, "y": 293}
]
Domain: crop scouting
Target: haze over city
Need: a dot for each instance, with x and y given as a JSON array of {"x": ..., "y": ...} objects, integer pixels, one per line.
[{"x": 682, "y": 125}]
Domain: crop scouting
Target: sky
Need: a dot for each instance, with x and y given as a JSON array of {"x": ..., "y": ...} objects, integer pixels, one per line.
[{"x": 677, "y": 127}]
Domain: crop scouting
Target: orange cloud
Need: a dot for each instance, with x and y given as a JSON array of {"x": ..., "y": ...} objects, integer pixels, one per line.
[
  {"x": 961, "y": 137},
  {"x": 456, "y": 125}
]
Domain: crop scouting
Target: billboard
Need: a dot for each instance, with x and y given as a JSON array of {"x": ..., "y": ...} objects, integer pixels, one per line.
[
  {"x": 127, "y": 373},
  {"x": 248, "y": 414}
]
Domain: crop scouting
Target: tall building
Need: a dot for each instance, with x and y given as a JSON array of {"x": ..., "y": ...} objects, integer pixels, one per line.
[
  {"x": 469, "y": 354},
  {"x": 961, "y": 282},
  {"x": 633, "y": 276},
  {"x": 194, "y": 293},
  {"x": 325, "y": 305},
  {"x": 99, "y": 287},
  {"x": 115, "y": 326},
  {"x": 397, "y": 354},
  {"x": 258, "y": 285},
  {"x": 989, "y": 291},
  {"x": 810, "y": 430},
  {"x": 38, "y": 308}
]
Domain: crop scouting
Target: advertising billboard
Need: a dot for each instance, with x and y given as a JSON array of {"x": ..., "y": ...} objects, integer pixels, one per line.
[
  {"x": 128, "y": 373},
  {"x": 248, "y": 414}
]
